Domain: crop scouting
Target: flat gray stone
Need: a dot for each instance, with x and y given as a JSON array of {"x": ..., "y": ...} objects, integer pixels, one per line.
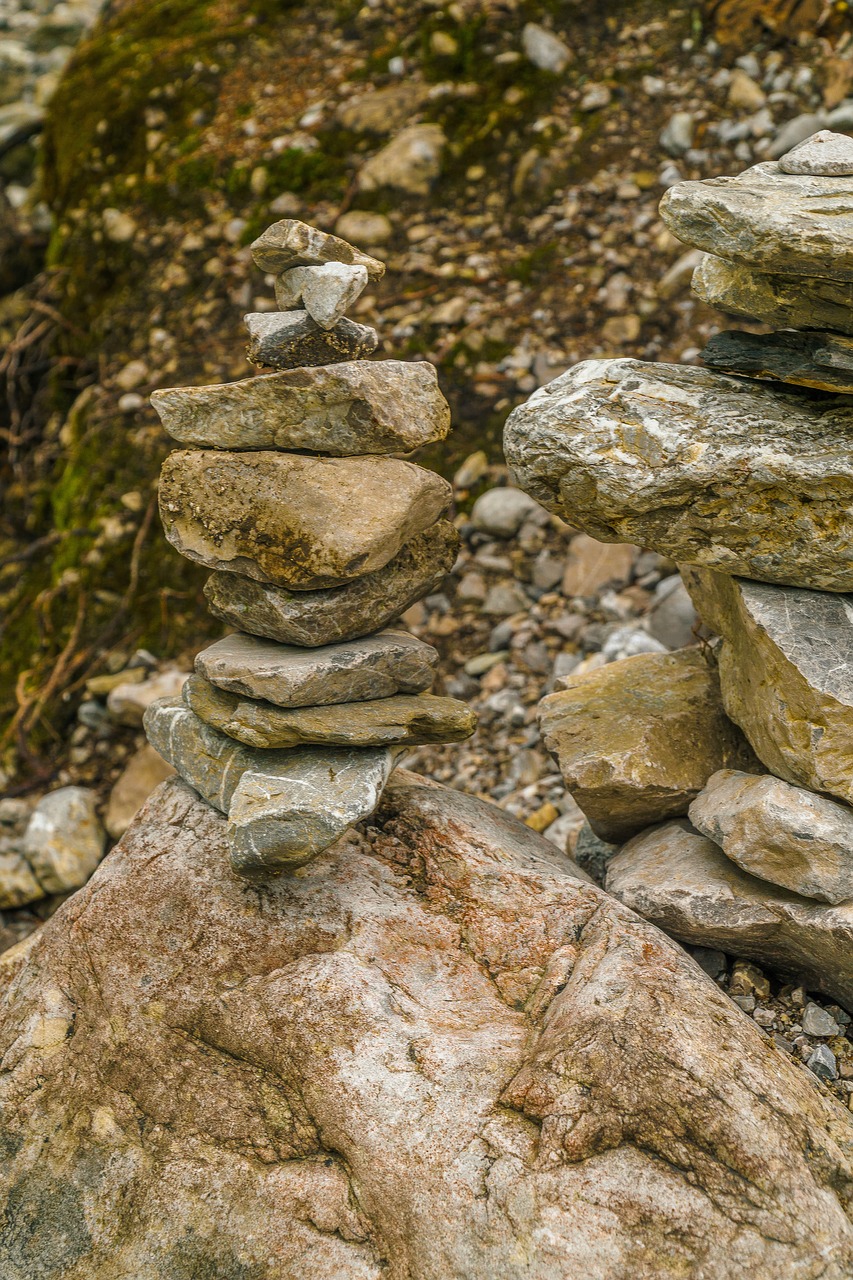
[
  {"x": 290, "y": 339},
  {"x": 291, "y": 243},
  {"x": 682, "y": 882},
  {"x": 825, "y": 154},
  {"x": 780, "y": 833},
  {"x": 395, "y": 721},
  {"x": 823, "y": 361},
  {"x": 326, "y": 292},
  {"x": 780, "y": 300},
  {"x": 382, "y": 406},
  {"x": 795, "y": 224},
  {"x": 695, "y": 465},
  {"x": 376, "y": 666},
  {"x": 296, "y": 521},
  {"x": 339, "y": 613},
  {"x": 65, "y": 839}
]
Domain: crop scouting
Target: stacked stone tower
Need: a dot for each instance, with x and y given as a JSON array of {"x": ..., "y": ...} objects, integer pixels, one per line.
[{"x": 288, "y": 487}]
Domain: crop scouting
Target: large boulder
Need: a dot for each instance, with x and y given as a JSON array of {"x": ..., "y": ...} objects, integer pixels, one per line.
[{"x": 435, "y": 1052}]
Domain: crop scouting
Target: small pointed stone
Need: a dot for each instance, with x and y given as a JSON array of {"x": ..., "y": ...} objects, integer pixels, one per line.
[
  {"x": 290, "y": 339},
  {"x": 291, "y": 243},
  {"x": 325, "y": 292},
  {"x": 825, "y": 154}
]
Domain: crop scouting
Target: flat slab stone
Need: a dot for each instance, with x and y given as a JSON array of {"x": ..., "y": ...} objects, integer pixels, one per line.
[
  {"x": 780, "y": 833},
  {"x": 289, "y": 339},
  {"x": 825, "y": 154},
  {"x": 382, "y": 406},
  {"x": 722, "y": 472},
  {"x": 637, "y": 740},
  {"x": 780, "y": 300},
  {"x": 786, "y": 674},
  {"x": 375, "y": 667},
  {"x": 820, "y": 360},
  {"x": 291, "y": 243},
  {"x": 295, "y": 521},
  {"x": 795, "y": 224},
  {"x": 400, "y": 720},
  {"x": 339, "y": 613},
  {"x": 326, "y": 292},
  {"x": 682, "y": 882}
]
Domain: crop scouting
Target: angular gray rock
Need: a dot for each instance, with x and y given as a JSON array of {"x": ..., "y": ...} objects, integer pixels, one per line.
[
  {"x": 295, "y": 521},
  {"x": 786, "y": 674},
  {"x": 339, "y": 613},
  {"x": 795, "y": 224},
  {"x": 291, "y": 243},
  {"x": 381, "y": 406},
  {"x": 682, "y": 882},
  {"x": 399, "y": 720},
  {"x": 375, "y": 667},
  {"x": 779, "y": 300},
  {"x": 695, "y": 465},
  {"x": 291, "y": 339},
  {"x": 823, "y": 361},
  {"x": 326, "y": 292},
  {"x": 502, "y": 511},
  {"x": 65, "y": 839},
  {"x": 780, "y": 833},
  {"x": 825, "y": 154}
]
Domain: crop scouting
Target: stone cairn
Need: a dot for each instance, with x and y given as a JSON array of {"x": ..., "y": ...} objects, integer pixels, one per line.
[
  {"x": 742, "y": 472},
  {"x": 319, "y": 537}
]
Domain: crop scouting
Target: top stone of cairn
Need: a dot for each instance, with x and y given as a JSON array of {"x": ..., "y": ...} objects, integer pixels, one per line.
[
  {"x": 291, "y": 243},
  {"x": 823, "y": 155}
]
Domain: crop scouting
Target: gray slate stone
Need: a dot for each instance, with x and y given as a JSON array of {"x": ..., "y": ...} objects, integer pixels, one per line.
[
  {"x": 382, "y": 406},
  {"x": 374, "y": 667},
  {"x": 502, "y": 511},
  {"x": 780, "y": 833},
  {"x": 784, "y": 301},
  {"x": 696, "y": 465},
  {"x": 64, "y": 840},
  {"x": 338, "y": 613},
  {"x": 290, "y": 339},
  {"x": 326, "y": 292},
  {"x": 825, "y": 154},
  {"x": 822, "y": 361},
  {"x": 291, "y": 243}
]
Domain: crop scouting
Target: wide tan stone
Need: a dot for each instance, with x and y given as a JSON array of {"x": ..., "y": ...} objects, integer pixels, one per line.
[
  {"x": 295, "y": 521},
  {"x": 291, "y": 243},
  {"x": 637, "y": 740}
]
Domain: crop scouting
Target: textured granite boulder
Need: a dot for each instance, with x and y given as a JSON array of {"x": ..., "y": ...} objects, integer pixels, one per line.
[
  {"x": 786, "y": 675},
  {"x": 290, "y": 339},
  {"x": 637, "y": 740},
  {"x": 780, "y": 833},
  {"x": 379, "y": 665},
  {"x": 295, "y": 521},
  {"x": 795, "y": 224},
  {"x": 820, "y": 360},
  {"x": 724, "y": 472},
  {"x": 825, "y": 154},
  {"x": 339, "y": 613},
  {"x": 381, "y": 406},
  {"x": 398, "y": 720},
  {"x": 326, "y": 292},
  {"x": 434, "y": 1052},
  {"x": 783, "y": 301},
  {"x": 684, "y": 883},
  {"x": 291, "y": 243}
]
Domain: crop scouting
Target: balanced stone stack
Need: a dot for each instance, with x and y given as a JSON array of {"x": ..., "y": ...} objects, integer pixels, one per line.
[
  {"x": 288, "y": 487},
  {"x": 743, "y": 472}
]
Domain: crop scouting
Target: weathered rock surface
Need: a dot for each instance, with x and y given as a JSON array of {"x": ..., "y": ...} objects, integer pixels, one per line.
[
  {"x": 820, "y": 360},
  {"x": 340, "y": 613},
  {"x": 375, "y": 667},
  {"x": 402, "y": 720},
  {"x": 776, "y": 299},
  {"x": 290, "y": 339},
  {"x": 786, "y": 675},
  {"x": 712, "y": 470},
  {"x": 411, "y": 162},
  {"x": 295, "y": 521},
  {"x": 684, "y": 883},
  {"x": 291, "y": 243},
  {"x": 381, "y": 406},
  {"x": 780, "y": 833},
  {"x": 825, "y": 154},
  {"x": 637, "y": 740},
  {"x": 326, "y": 292},
  {"x": 434, "y": 1052},
  {"x": 64, "y": 840},
  {"x": 795, "y": 224},
  {"x": 144, "y": 771}
]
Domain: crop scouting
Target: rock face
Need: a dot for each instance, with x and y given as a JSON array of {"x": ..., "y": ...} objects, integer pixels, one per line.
[
  {"x": 376, "y": 667},
  {"x": 340, "y": 613},
  {"x": 776, "y": 299},
  {"x": 292, "y": 520},
  {"x": 385, "y": 406},
  {"x": 820, "y": 360},
  {"x": 434, "y": 1052},
  {"x": 291, "y": 243},
  {"x": 637, "y": 740},
  {"x": 794, "y": 224},
  {"x": 684, "y": 883},
  {"x": 289, "y": 339},
  {"x": 779, "y": 833},
  {"x": 695, "y": 465},
  {"x": 786, "y": 675}
]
